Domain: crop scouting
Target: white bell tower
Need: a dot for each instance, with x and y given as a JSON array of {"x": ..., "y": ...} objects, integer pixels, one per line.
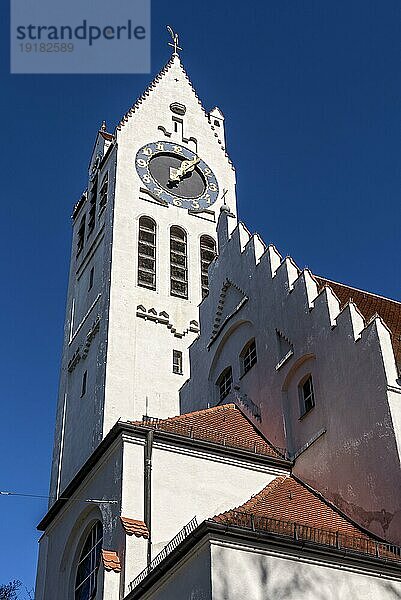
[{"x": 142, "y": 242}]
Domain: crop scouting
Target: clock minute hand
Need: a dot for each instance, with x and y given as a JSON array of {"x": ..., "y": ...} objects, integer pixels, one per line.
[{"x": 186, "y": 167}]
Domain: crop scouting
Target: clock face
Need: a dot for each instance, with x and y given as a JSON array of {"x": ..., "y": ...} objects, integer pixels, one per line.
[{"x": 176, "y": 175}]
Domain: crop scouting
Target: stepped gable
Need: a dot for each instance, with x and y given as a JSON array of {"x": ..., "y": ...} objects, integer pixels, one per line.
[
  {"x": 369, "y": 305},
  {"x": 174, "y": 64},
  {"x": 288, "y": 499},
  {"x": 225, "y": 425}
]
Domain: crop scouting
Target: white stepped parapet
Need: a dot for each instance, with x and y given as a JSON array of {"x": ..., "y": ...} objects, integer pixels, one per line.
[
  {"x": 287, "y": 273},
  {"x": 253, "y": 252},
  {"x": 327, "y": 302},
  {"x": 376, "y": 328},
  {"x": 259, "y": 247},
  {"x": 273, "y": 257},
  {"x": 308, "y": 282},
  {"x": 352, "y": 318},
  {"x": 240, "y": 236}
]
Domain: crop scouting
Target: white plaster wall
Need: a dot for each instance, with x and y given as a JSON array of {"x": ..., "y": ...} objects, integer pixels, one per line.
[
  {"x": 139, "y": 358},
  {"x": 244, "y": 573},
  {"x": 185, "y": 483},
  {"x": 188, "y": 483},
  {"x": 356, "y": 462},
  {"x": 79, "y": 421},
  {"x": 138, "y": 377},
  {"x": 191, "y": 580},
  {"x": 61, "y": 542}
]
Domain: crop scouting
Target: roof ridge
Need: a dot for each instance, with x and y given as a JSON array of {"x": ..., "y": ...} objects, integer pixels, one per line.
[
  {"x": 335, "y": 508},
  {"x": 271, "y": 486},
  {"x": 346, "y": 285},
  {"x": 228, "y": 406},
  {"x": 267, "y": 490}
]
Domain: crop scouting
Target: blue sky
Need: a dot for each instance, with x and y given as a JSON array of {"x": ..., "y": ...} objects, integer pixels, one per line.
[{"x": 311, "y": 93}]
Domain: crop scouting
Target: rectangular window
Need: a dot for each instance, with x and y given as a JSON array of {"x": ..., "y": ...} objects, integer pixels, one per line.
[
  {"x": 104, "y": 188},
  {"x": 225, "y": 382},
  {"x": 92, "y": 206},
  {"x": 81, "y": 235},
  {"x": 84, "y": 380},
  {"x": 91, "y": 275},
  {"x": 306, "y": 395},
  {"x": 177, "y": 362}
]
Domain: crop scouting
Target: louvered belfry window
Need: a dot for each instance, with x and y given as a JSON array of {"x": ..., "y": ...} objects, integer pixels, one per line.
[
  {"x": 178, "y": 262},
  {"x": 207, "y": 254},
  {"x": 147, "y": 253}
]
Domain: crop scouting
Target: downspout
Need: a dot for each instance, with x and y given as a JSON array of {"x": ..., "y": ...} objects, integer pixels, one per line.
[{"x": 148, "y": 490}]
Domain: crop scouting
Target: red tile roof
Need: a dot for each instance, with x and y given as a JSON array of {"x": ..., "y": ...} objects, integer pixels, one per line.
[
  {"x": 288, "y": 507},
  {"x": 225, "y": 425},
  {"x": 287, "y": 499},
  {"x": 369, "y": 304},
  {"x": 135, "y": 527},
  {"x": 111, "y": 562}
]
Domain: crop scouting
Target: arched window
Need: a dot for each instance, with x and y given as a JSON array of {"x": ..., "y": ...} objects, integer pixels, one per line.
[
  {"x": 147, "y": 253},
  {"x": 207, "y": 254},
  {"x": 225, "y": 382},
  {"x": 306, "y": 395},
  {"x": 248, "y": 356},
  {"x": 88, "y": 565},
  {"x": 178, "y": 262}
]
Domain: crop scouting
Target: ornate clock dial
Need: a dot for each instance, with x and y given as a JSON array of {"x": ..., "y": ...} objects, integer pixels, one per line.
[{"x": 176, "y": 175}]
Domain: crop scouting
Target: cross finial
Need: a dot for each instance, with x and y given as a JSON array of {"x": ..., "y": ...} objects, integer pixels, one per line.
[{"x": 174, "y": 37}]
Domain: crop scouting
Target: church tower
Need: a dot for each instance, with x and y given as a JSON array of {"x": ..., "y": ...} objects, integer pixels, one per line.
[{"x": 144, "y": 234}]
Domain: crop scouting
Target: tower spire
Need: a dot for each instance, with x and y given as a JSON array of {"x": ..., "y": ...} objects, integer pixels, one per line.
[{"x": 174, "y": 37}]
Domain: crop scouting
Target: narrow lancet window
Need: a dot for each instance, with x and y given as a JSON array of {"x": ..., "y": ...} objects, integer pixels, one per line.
[
  {"x": 178, "y": 262},
  {"x": 147, "y": 253}
]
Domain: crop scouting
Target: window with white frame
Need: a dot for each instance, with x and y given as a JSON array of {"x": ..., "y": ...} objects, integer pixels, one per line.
[
  {"x": 225, "y": 382},
  {"x": 306, "y": 395},
  {"x": 147, "y": 253},
  {"x": 88, "y": 565},
  {"x": 248, "y": 356}
]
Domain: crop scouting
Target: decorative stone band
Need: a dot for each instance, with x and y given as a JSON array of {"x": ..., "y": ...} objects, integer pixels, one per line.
[
  {"x": 111, "y": 562},
  {"x": 221, "y": 318},
  {"x": 163, "y": 318},
  {"x": 135, "y": 527},
  {"x": 83, "y": 352}
]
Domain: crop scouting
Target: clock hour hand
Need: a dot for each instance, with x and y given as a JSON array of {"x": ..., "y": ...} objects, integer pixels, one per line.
[{"x": 187, "y": 166}]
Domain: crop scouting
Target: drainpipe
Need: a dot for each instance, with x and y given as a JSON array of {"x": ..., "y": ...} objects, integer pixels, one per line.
[{"x": 148, "y": 489}]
